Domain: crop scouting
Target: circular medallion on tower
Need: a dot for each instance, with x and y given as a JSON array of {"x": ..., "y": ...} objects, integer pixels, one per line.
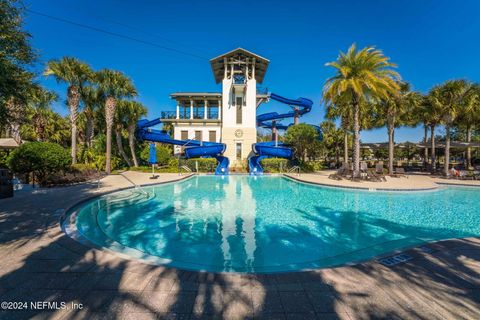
[{"x": 238, "y": 133}]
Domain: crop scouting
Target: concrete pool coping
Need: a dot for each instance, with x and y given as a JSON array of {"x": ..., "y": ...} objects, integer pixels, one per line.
[{"x": 42, "y": 263}]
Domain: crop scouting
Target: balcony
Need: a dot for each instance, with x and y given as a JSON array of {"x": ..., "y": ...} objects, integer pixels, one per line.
[{"x": 198, "y": 113}]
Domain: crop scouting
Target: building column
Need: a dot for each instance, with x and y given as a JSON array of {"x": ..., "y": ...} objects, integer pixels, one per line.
[
  {"x": 191, "y": 108},
  {"x": 219, "y": 109},
  {"x": 274, "y": 132},
  {"x": 296, "y": 116},
  {"x": 205, "y": 106},
  {"x": 177, "y": 116}
]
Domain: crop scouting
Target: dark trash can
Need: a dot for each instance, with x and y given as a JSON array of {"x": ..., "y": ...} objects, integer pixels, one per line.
[{"x": 6, "y": 184}]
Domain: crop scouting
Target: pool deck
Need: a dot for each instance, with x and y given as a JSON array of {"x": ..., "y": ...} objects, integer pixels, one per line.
[
  {"x": 412, "y": 182},
  {"x": 40, "y": 263}
]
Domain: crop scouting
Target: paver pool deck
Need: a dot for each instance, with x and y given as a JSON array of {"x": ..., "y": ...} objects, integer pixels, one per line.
[{"x": 40, "y": 263}]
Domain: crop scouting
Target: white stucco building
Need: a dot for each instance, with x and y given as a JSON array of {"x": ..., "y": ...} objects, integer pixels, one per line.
[{"x": 228, "y": 116}]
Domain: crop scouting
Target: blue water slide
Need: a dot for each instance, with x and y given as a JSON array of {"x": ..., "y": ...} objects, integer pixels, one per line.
[
  {"x": 274, "y": 149},
  {"x": 193, "y": 148}
]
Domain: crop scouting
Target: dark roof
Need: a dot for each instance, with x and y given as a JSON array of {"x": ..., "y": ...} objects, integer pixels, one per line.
[{"x": 261, "y": 64}]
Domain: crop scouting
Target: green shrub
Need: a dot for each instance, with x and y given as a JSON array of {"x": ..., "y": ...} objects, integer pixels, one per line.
[
  {"x": 204, "y": 164},
  {"x": 3, "y": 159},
  {"x": 164, "y": 154},
  {"x": 274, "y": 165},
  {"x": 100, "y": 162},
  {"x": 41, "y": 158}
]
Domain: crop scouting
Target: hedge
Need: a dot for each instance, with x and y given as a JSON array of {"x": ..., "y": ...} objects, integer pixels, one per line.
[
  {"x": 274, "y": 165},
  {"x": 204, "y": 164}
]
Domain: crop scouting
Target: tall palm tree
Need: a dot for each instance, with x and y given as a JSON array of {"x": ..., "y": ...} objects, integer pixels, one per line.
[
  {"x": 119, "y": 123},
  {"x": 361, "y": 75},
  {"x": 469, "y": 117},
  {"x": 421, "y": 116},
  {"x": 133, "y": 111},
  {"x": 114, "y": 86},
  {"x": 433, "y": 116},
  {"x": 449, "y": 98},
  {"x": 75, "y": 73},
  {"x": 92, "y": 101},
  {"x": 397, "y": 110},
  {"x": 41, "y": 111}
]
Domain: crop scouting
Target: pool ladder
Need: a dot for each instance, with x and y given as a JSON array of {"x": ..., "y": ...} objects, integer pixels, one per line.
[
  {"x": 187, "y": 169},
  {"x": 135, "y": 186},
  {"x": 293, "y": 169}
]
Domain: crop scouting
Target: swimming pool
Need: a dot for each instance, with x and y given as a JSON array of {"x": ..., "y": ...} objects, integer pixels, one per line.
[{"x": 269, "y": 224}]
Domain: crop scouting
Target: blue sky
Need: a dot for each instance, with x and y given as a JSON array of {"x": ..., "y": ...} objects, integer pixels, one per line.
[{"x": 431, "y": 41}]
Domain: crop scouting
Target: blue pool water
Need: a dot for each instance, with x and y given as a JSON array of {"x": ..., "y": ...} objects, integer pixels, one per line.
[{"x": 271, "y": 224}]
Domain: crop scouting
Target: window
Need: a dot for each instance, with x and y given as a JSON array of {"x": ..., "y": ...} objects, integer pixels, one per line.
[
  {"x": 184, "y": 135},
  {"x": 212, "y": 136},
  {"x": 239, "y": 102},
  {"x": 198, "y": 135},
  {"x": 238, "y": 150}
]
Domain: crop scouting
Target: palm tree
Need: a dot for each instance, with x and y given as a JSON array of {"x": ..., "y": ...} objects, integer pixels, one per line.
[
  {"x": 433, "y": 117},
  {"x": 75, "y": 73},
  {"x": 397, "y": 110},
  {"x": 469, "y": 117},
  {"x": 41, "y": 111},
  {"x": 113, "y": 85},
  {"x": 120, "y": 122},
  {"x": 133, "y": 111},
  {"x": 360, "y": 75},
  {"x": 421, "y": 116},
  {"x": 343, "y": 110},
  {"x": 449, "y": 98},
  {"x": 92, "y": 101}
]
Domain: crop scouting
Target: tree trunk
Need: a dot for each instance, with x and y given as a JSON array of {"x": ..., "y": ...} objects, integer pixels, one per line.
[
  {"x": 118, "y": 136},
  {"x": 89, "y": 131},
  {"x": 73, "y": 99},
  {"x": 131, "y": 143},
  {"x": 446, "y": 170},
  {"x": 391, "y": 130},
  {"x": 110, "y": 105},
  {"x": 432, "y": 147},
  {"x": 345, "y": 147},
  {"x": 356, "y": 138},
  {"x": 425, "y": 151},
  {"x": 469, "y": 150},
  {"x": 15, "y": 132},
  {"x": 16, "y": 114}
]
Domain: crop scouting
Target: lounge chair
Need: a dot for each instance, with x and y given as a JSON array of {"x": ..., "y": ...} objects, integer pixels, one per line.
[
  {"x": 341, "y": 173},
  {"x": 399, "y": 172},
  {"x": 378, "y": 173}
]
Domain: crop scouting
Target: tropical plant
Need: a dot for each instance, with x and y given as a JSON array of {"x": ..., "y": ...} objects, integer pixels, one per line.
[
  {"x": 75, "y": 73},
  {"x": 397, "y": 110},
  {"x": 119, "y": 123},
  {"x": 333, "y": 138},
  {"x": 92, "y": 101},
  {"x": 360, "y": 76},
  {"x": 113, "y": 86},
  {"x": 303, "y": 138},
  {"x": 469, "y": 117},
  {"x": 449, "y": 99},
  {"x": 343, "y": 110},
  {"x": 132, "y": 111},
  {"x": 432, "y": 114}
]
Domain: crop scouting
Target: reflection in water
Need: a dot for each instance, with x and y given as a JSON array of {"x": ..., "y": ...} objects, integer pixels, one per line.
[
  {"x": 238, "y": 221},
  {"x": 271, "y": 224}
]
